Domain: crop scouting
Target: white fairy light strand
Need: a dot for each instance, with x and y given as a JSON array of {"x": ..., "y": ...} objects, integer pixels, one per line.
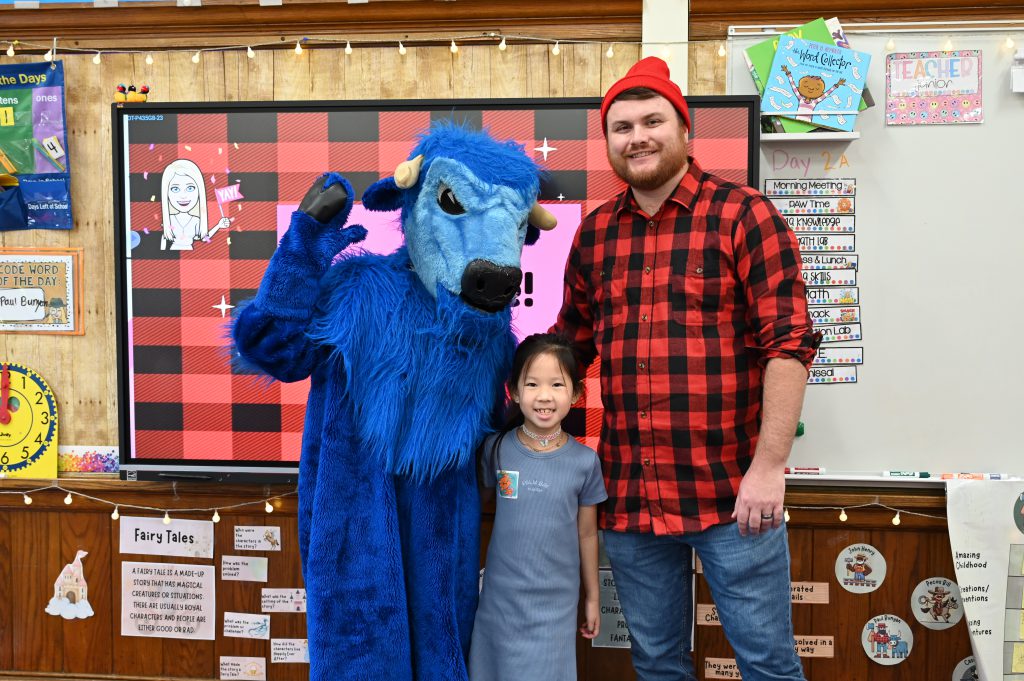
[
  {"x": 267, "y": 504},
  {"x": 873, "y": 504},
  {"x": 493, "y": 38}
]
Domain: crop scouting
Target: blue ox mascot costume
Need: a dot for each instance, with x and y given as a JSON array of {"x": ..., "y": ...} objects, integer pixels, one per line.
[{"x": 407, "y": 354}]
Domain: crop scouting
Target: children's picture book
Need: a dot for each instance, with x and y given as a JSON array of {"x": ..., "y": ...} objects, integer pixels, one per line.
[
  {"x": 817, "y": 83},
  {"x": 759, "y": 58},
  {"x": 933, "y": 88}
]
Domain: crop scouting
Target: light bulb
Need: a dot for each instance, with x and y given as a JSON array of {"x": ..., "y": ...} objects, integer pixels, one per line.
[
  {"x": 555, "y": 50},
  {"x": 401, "y": 48},
  {"x": 1009, "y": 43},
  {"x": 948, "y": 45},
  {"x": 195, "y": 58},
  {"x": 10, "y": 50},
  {"x": 721, "y": 50},
  {"x": 502, "y": 45},
  {"x": 48, "y": 56},
  {"x": 298, "y": 47},
  {"x": 28, "y": 500},
  {"x": 666, "y": 53},
  {"x": 216, "y": 516},
  {"x": 896, "y": 518},
  {"x": 115, "y": 515},
  {"x": 149, "y": 60},
  {"x": 785, "y": 514},
  {"x": 167, "y": 517},
  {"x": 250, "y": 53},
  {"x": 890, "y": 45},
  {"x": 842, "y": 515},
  {"x": 68, "y": 499},
  {"x": 610, "y": 53},
  {"x": 348, "y": 47},
  {"x": 453, "y": 47},
  {"x": 96, "y": 58},
  {"x": 268, "y": 507}
]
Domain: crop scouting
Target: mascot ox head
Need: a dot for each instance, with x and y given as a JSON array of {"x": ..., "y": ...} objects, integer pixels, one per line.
[{"x": 469, "y": 204}]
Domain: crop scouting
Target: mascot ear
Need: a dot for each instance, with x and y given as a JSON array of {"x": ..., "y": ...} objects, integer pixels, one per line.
[
  {"x": 532, "y": 234},
  {"x": 383, "y": 195}
]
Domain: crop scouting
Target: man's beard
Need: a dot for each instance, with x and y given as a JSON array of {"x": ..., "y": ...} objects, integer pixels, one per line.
[{"x": 672, "y": 158}]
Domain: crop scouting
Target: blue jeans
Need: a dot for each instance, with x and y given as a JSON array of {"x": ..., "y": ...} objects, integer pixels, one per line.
[{"x": 749, "y": 580}]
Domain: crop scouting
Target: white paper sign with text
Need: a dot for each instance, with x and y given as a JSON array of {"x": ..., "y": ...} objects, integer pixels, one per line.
[
  {"x": 257, "y": 538},
  {"x": 243, "y": 568},
  {"x": 168, "y": 600},
  {"x": 151, "y": 537}
]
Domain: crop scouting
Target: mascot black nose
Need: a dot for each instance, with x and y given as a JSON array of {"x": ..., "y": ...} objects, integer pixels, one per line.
[{"x": 490, "y": 287}]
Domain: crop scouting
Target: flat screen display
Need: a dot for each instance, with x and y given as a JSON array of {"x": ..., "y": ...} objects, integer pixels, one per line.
[{"x": 205, "y": 191}]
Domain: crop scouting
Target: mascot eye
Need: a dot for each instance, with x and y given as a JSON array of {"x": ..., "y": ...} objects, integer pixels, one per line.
[{"x": 446, "y": 199}]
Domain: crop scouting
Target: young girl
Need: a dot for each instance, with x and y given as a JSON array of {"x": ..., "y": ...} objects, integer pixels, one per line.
[{"x": 545, "y": 528}]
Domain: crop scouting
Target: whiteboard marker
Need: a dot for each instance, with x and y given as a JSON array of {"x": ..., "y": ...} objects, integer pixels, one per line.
[
  {"x": 906, "y": 474},
  {"x": 975, "y": 476},
  {"x": 805, "y": 470}
]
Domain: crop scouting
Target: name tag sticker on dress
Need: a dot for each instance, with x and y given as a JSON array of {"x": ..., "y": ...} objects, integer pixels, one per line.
[{"x": 508, "y": 484}]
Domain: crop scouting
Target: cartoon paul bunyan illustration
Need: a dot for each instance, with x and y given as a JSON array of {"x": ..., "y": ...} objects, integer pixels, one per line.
[
  {"x": 859, "y": 567},
  {"x": 810, "y": 92},
  {"x": 55, "y": 311},
  {"x": 939, "y": 603},
  {"x": 183, "y": 204}
]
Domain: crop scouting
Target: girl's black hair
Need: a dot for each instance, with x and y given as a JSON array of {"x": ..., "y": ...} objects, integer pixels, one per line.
[{"x": 533, "y": 346}]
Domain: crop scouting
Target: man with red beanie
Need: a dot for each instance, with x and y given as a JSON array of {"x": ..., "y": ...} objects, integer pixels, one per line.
[{"x": 688, "y": 288}]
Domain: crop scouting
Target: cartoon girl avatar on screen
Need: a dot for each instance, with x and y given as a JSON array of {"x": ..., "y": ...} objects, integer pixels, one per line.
[{"x": 184, "y": 207}]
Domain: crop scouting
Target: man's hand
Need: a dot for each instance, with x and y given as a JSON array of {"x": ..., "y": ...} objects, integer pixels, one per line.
[{"x": 759, "y": 502}]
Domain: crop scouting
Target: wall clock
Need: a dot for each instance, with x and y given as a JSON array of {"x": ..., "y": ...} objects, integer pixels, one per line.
[{"x": 28, "y": 424}]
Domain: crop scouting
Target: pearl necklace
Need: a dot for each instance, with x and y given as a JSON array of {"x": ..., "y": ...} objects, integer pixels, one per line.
[{"x": 541, "y": 440}]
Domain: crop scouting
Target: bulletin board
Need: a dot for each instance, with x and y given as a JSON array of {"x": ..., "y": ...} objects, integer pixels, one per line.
[{"x": 937, "y": 239}]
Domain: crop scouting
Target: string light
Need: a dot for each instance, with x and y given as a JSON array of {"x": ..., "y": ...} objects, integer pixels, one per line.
[
  {"x": 842, "y": 515},
  {"x": 249, "y": 52},
  {"x": 502, "y": 45},
  {"x": 890, "y": 45},
  {"x": 610, "y": 53},
  {"x": 216, "y": 516},
  {"x": 721, "y": 50},
  {"x": 949, "y": 45},
  {"x": 96, "y": 59},
  {"x": 167, "y": 517},
  {"x": 666, "y": 53},
  {"x": 27, "y": 500},
  {"x": 195, "y": 57},
  {"x": 149, "y": 60},
  {"x": 268, "y": 508},
  {"x": 10, "y": 49},
  {"x": 68, "y": 499},
  {"x": 115, "y": 515},
  {"x": 785, "y": 514},
  {"x": 453, "y": 47},
  {"x": 401, "y": 48},
  {"x": 348, "y": 47},
  {"x": 298, "y": 47},
  {"x": 555, "y": 50},
  {"x": 48, "y": 56},
  {"x": 896, "y": 518},
  {"x": 1009, "y": 44}
]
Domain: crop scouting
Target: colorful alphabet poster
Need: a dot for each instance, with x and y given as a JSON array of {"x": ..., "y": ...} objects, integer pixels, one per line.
[
  {"x": 33, "y": 147},
  {"x": 933, "y": 88}
]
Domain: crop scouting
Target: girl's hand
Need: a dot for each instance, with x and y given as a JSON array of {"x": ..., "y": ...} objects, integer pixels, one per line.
[
  {"x": 591, "y": 619},
  {"x": 223, "y": 223}
]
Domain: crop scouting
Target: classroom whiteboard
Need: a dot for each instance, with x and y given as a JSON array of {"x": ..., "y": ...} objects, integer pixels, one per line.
[{"x": 939, "y": 235}]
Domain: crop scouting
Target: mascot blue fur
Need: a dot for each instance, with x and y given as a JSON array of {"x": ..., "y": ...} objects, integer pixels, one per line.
[{"x": 407, "y": 354}]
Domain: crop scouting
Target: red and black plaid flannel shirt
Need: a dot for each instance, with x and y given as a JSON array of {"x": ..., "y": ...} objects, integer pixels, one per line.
[{"x": 684, "y": 309}]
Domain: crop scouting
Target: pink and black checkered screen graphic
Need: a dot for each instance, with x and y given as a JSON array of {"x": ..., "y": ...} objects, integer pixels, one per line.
[{"x": 207, "y": 190}]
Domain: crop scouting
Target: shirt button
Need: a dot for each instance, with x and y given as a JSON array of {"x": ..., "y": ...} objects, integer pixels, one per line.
[
  {"x": 643, "y": 414},
  {"x": 647, "y": 462},
  {"x": 647, "y": 270},
  {"x": 641, "y": 365},
  {"x": 700, "y": 270},
  {"x": 651, "y": 223},
  {"x": 643, "y": 318}
]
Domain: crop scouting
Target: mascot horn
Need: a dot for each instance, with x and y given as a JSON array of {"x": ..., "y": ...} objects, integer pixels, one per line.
[{"x": 407, "y": 353}]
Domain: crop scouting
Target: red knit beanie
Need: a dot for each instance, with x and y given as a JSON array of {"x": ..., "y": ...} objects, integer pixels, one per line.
[{"x": 650, "y": 72}]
